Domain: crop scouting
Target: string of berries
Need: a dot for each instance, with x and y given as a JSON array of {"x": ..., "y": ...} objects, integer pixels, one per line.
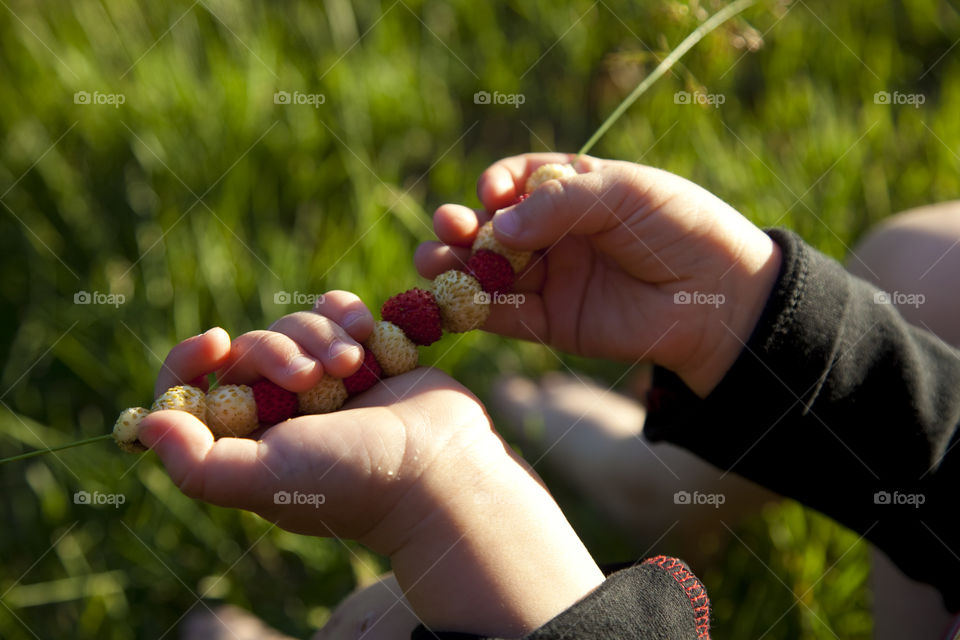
[{"x": 459, "y": 301}]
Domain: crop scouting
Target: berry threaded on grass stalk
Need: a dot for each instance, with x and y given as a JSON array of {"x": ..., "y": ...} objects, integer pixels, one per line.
[{"x": 459, "y": 302}]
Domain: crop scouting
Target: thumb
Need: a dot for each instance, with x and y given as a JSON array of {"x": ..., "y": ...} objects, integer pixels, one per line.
[
  {"x": 584, "y": 204},
  {"x": 221, "y": 472}
]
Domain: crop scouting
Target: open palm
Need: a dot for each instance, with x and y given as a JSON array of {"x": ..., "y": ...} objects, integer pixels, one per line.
[{"x": 352, "y": 473}]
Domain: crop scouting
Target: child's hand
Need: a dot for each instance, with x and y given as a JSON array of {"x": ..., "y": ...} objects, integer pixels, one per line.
[
  {"x": 637, "y": 263},
  {"x": 399, "y": 468}
]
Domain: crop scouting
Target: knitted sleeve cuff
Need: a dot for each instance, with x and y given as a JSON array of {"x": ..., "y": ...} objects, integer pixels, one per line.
[{"x": 657, "y": 598}]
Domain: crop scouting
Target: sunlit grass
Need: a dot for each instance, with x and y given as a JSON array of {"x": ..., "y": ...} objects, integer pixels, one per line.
[{"x": 199, "y": 198}]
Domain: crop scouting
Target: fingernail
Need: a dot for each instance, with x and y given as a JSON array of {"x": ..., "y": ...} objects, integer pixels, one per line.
[
  {"x": 339, "y": 348},
  {"x": 353, "y": 318},
  {"x": 301, "y": 364},
  {"x": 507, "y": 222}
]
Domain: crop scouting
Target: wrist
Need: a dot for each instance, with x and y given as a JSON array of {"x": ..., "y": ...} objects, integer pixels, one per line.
[
  {"x": 745, "y": 288},
  {"x": 495, "y": 556}
]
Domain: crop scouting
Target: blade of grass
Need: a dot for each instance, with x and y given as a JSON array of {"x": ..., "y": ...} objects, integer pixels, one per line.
[
  {"x": 40, "y": 452},
  {"x": 712, "y": 23}
]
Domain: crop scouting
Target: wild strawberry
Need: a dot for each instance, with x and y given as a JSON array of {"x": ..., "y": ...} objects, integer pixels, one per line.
[
  {"x": 395, "y": 352},
  {"x": 183, "y": 398},
  {"x": 548, "y": 172},
  {"x": 491, "y": 270},
  {"x": 231, "y": 410},
  {"x": 464, "y": 305},
  {"x": 486, "y": 240},
  {"x": 327, "y": 395},
  {"x": 366, "y": 376},
  {"x": 274, "y": 403},
  {"x": 416, "y": 313},
  {"x": 126, "y": 431}
]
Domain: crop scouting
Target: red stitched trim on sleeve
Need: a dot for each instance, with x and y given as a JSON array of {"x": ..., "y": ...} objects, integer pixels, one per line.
[{"x": 692, "y": 586}]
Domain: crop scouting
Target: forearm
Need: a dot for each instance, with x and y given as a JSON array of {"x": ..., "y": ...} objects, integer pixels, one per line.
[{"x": 498, "y": 558}]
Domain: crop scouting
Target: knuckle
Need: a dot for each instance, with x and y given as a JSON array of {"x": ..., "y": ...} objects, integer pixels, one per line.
[
  {"x": 251, "y": 338},
  {"x": 556, "y": 193},
  {"x": 191, "y": 482}
]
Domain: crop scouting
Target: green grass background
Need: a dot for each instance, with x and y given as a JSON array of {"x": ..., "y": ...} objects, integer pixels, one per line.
[{"x": 199, "y": 198}]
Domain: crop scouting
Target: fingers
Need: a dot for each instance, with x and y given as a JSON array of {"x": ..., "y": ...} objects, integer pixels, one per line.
[
  {"x": 324, "y": 340},
  {"x": 433, "y": 258},
  {"x": 226, "y": 472},
  {"x": 192, "y": 359},
  {"x": 457, "y": 225},
  {"x": 526, "y": 321},
  {"x": 585, "y": 204},
  {"x": 501, "y": 184},
  {"x": 347, "y": 310},
  {"x": 295, "y": 353},
  {"x": 272, "y": 355}
]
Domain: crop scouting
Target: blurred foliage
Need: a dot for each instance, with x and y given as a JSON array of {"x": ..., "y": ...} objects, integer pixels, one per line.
[{"x": 199, "y": 198}]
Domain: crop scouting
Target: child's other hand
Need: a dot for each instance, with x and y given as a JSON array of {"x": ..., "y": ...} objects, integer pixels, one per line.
[
  {"x": 412, "y": 468},
  {"x": 636, "y": 263},
  {"x": 353, "y": 466},
  {"x": 294, "y": 352}
]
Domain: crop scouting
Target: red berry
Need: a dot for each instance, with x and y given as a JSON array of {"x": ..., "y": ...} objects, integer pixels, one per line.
[
  {"x": 366, "y": 376},
  {"x": 416, "y": 313},
  {"x": 492, "y": 270},
  {"x": 274, "y": 403}
]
